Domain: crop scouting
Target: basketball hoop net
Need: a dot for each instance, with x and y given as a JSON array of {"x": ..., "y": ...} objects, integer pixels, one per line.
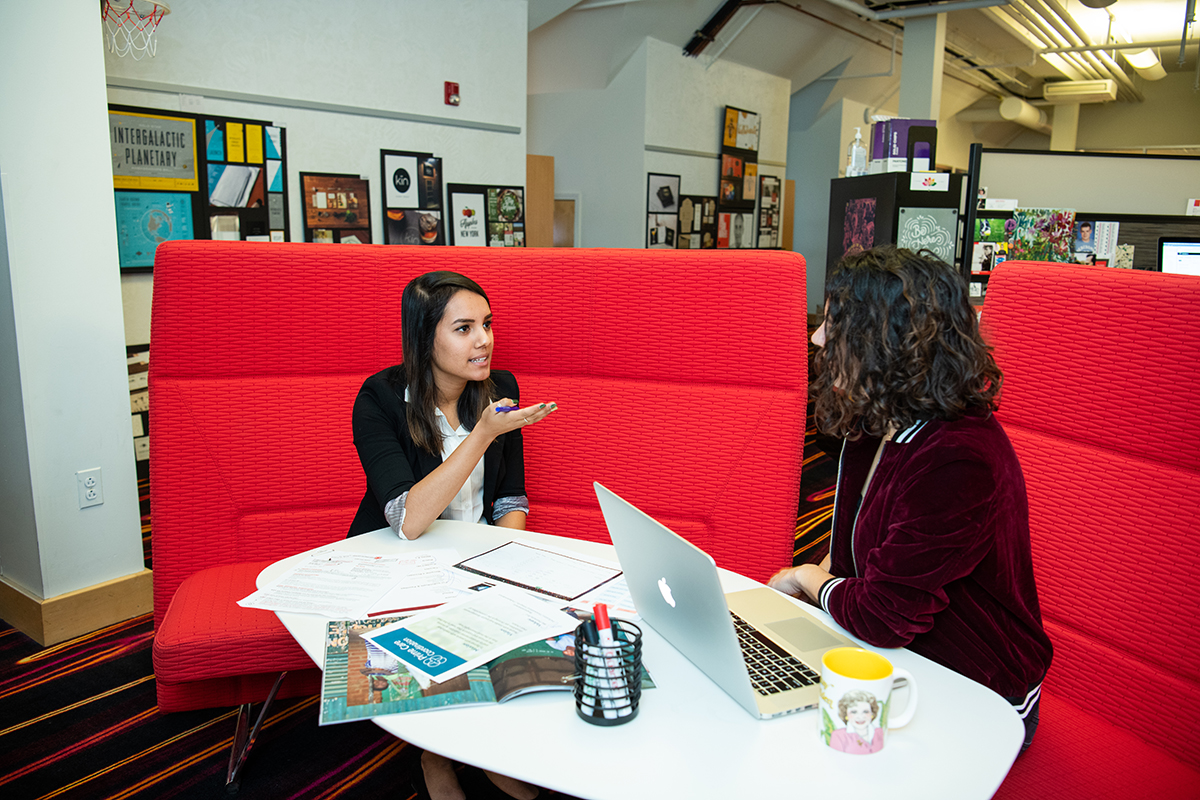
[{"x": 129, "y": 30}]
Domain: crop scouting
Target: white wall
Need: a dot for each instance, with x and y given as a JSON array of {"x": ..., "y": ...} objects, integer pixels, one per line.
[
  {"x": 64, "y": 319},
  {"x": 597, "y": 139},
  {"x": 604, "y": 141},
  {"x": 345, "y": 80}
]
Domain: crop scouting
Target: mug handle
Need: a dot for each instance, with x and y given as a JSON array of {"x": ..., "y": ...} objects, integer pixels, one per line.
[{"x": 911, "y": 708}]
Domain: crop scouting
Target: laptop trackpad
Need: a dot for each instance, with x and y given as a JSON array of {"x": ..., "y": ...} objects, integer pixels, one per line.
[{"x": 804, "y": 635}]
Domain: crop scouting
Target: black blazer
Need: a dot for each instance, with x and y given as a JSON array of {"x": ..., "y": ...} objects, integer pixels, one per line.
[{"x": 393, "y": 463}]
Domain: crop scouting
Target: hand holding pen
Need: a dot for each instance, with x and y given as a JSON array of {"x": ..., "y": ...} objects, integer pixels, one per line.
[{"x": 504, "y": 415}]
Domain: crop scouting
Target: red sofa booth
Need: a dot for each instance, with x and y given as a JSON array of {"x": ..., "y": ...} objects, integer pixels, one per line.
[
  {"x": 681, "y": 380},
  {"x": 1101, "y": 399}
]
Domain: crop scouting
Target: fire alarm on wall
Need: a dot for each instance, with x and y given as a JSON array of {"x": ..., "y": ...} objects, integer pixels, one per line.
[{"x": 451, "y": 94}]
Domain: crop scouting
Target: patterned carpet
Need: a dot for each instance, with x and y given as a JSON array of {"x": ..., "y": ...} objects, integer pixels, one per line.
[{"x": 79, "y": 720}]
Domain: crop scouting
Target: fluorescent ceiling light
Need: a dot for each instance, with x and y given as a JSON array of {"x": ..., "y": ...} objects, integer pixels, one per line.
[{"x": 1147, "y": 64}]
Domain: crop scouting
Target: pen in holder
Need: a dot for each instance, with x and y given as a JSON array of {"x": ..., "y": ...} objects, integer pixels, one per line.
[{"x": 608, "y": 683}]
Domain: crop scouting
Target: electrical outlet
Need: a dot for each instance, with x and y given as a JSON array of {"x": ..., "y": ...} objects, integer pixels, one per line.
[{"x": 91, "y": 487}]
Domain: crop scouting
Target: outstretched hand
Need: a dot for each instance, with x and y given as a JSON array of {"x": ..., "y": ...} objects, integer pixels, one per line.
[{"x": 495, "y": 422}]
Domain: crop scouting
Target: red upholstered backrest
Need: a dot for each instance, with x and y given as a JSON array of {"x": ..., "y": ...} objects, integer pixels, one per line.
[
  {"x": 1102, "y": 401},
  {"x": 681, "y": 379}
]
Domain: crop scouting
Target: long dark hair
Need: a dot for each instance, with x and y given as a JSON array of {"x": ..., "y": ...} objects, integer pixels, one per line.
[
  {"x": 902, "y": 344},
  {"x": 421, "y": 308}
]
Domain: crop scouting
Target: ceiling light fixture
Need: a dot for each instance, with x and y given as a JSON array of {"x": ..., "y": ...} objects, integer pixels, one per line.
[{"x": 1147, "y": 64}]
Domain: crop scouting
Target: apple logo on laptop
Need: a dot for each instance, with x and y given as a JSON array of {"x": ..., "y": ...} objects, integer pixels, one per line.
[{"x": 666, "y": 592}]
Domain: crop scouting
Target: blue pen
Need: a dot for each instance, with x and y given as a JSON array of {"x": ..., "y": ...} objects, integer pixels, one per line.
[{"x": 503, "y": 409}]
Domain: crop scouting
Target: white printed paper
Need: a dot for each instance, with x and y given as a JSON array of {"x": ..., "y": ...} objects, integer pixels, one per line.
[{"x": 457, "y": 637}]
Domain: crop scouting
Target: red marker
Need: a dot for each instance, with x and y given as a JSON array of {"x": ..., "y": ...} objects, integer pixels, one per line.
[{"x": 608, "y": 687}]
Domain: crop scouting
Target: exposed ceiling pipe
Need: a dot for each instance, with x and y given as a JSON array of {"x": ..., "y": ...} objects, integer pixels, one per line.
[
  {"x": 1045, "y": 21},
  {"x": 937, "y": 8},
  {"x": 1189, "y": 16},
  {"x": 749, "y": 18},
  {"x": 707, "y": 34},
  {"x": 1101, "y": 58},
  {"x": 1041, "y": 31},
  {"x": 1011, "y": 109}
]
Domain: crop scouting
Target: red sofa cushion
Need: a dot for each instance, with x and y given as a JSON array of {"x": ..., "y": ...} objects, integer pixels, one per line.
[
  {"x": 205, "y": 634},
  {"x": 1081, "y": 755}
]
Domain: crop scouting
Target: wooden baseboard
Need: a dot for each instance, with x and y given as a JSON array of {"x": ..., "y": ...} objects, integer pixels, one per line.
[{"x": 57, "y": 619}]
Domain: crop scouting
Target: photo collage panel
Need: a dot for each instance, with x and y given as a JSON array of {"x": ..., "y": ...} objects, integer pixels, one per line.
[
  {"x": 486, "y": 216},
  {"x": 412, "y": 198},
  {"x": 182, "y": 176}
]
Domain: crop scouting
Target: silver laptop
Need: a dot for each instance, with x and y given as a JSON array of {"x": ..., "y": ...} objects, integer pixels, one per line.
[{"x": 675, "y": 587}]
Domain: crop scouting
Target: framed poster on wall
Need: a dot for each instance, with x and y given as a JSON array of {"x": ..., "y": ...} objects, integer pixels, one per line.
[
  {"x": 697, "y": 222},
  {"x": 244, "y": 180},
  {"x": 336, "y": 208},
  {"x": 737, "y": 187},
  {"x": 662, "y": 210},
  {"x": 185, "y": 176},
  {"x": 769, "y": 206},
  {"x": 486, "y": 215},
  {"x": 412, "y": 198},
  {"x": 467, "y": 215}
]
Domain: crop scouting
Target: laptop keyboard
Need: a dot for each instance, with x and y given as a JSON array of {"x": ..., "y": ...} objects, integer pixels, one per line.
[{"x": 772, "y": 669}]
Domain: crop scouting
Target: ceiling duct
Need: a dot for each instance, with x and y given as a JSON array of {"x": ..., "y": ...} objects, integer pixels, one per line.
[{"x": 1011, "y": 109}]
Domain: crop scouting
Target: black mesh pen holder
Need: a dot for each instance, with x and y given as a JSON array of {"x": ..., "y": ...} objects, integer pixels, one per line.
[{"x": 608, "y": 678}]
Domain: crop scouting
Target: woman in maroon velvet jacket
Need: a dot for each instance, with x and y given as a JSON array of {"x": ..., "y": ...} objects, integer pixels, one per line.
[{"x": 930, "y": 542}]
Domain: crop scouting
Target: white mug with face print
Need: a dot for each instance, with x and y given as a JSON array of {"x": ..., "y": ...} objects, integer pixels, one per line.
[{"x": 856, "y": 695}]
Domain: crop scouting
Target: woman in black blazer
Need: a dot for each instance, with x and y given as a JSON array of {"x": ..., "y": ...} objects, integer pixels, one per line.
[
  {"x": 423, "y": 427},
  {"x": 439, "y": 436}
]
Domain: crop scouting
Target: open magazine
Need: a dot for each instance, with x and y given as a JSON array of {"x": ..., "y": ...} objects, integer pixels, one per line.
[{"x": 362, "y": 680}]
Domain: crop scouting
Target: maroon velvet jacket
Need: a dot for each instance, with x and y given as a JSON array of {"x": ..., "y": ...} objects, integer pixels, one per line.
[{"x": 937, "y": 559}]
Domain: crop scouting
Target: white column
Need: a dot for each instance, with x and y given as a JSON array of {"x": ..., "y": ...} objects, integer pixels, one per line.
[
  {"x": 1065, "y": 127},
  {"x": 921, "y": 67},
  {"x": 64, "y": 388}
]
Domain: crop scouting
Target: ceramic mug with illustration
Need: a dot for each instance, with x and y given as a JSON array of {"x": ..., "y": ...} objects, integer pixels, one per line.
[{"x": 856, "y": 695}]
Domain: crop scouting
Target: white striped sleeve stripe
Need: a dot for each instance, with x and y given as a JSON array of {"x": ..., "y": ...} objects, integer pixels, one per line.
[
  {"x": 823, "y": 592},
  {"x": 908, "y": 433},
  {"x": 1026, "y": 705}
]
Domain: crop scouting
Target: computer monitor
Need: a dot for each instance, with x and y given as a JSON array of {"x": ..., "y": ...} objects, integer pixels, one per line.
[{"x": 1179, "y": 255}]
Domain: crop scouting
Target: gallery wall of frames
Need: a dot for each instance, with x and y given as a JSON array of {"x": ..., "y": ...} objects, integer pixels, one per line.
[{"x": 744, "y": 212}]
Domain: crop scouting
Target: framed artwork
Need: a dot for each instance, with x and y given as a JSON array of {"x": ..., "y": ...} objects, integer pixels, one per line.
[
  {"x": 467, "y": 216},
  {"x": 337, "y": 208},
  {"x": 737, "y": 187},
  {"x": 661, "y": 231},
  {"x": 244, "y": 180},
  {"x": 769, "y": 207},
  {"x": 697, "y": 222},
  {"x": 413, "y": 226},
  {"x": 411, "y": 180},
  {"x": 662, "y": 210},
  {"x": 491, "y": 216},
  {"x": 412, "y": 198},
  {"x": 735, "y": 230},
  {"x": 169, "y": 184},
  {"x": 741, "y": 130},
  {"x": 153, "y": 151},
  {"x": 662, "y": 195},
  {"x": 506, "y": 216}
]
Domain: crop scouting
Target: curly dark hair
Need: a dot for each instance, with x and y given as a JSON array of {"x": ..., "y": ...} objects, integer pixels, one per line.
[{"x": 902, "y": 344}]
